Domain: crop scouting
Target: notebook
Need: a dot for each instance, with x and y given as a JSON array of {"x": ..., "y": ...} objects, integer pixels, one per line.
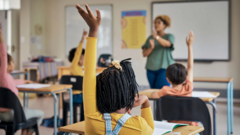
[
  {"x": 162, "y": 128},
  {"x": 33, "y": 86},
  {"x": 204, "y": 94}
]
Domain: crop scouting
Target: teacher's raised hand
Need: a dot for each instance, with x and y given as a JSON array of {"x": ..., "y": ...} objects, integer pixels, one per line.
[
  {"x": 92, "y": 20},
  {"x": 154, "y": 34}
]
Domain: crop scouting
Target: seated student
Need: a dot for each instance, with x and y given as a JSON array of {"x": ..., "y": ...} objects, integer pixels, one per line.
[
  {"x": 109, "y": 98},
  {"x": 7, "y": 81},
  {"x": 180, "y": 78},
  {"x": 76, "y": 57}
]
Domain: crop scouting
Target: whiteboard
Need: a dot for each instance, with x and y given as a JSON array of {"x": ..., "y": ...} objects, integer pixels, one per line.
[
  {"x": 75, "y": 25},
  {"x": 209, "y": 20}
]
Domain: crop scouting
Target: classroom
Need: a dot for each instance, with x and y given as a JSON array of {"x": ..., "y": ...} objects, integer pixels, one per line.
[{"x": 147, "y": 67}]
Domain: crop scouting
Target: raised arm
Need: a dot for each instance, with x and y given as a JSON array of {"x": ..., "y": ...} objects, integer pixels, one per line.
[
  {"x": 189, "y": 41},
  {"x": 74, "y": 65},
  {"x": 3, "y": 57},
  {"x": 89, "y": 81}
]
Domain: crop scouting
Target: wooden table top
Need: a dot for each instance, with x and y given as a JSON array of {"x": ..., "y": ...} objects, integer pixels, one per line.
[
  {"x": 79, "y": 128},
  {"x": 52, "y": 88},
  {"x": 148, "y": 93},
  {"x": 66, "y": 67},
  {"x": 18, "y": 72},
  {"x": 212, "y": 79}
]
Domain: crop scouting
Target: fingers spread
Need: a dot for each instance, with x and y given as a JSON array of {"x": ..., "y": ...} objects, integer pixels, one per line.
[
  {"x": 81, "y": 10},
  {"x": 98, "y": 15},
  {"x": 89, "y": 11}
]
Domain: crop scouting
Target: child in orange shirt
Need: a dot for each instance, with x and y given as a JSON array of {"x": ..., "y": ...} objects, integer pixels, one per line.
[{"x": 180, "y": 78}]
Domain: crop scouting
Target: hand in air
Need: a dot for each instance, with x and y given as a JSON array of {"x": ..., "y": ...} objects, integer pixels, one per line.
[
  {"x": 152, "y": 43},
  {"x": 84, "y": 35},
  {"x": 1, "y": 38},
  {"x": 92, "y": 20},
  {"x": 190, "y": 39},
  {"x": 154, "y": 34}
]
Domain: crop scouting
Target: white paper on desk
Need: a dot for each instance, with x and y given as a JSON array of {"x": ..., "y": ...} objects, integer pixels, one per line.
[
  {"x": 164, "y": 127},
  {"x": 33, "y": 86},
  {"x": 203, "y": 94}
]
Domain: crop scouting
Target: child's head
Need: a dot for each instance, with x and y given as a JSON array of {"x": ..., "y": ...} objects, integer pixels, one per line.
[
  {"x": 72, "y": 54},
  {"x": 176, "y": 74},
  {"x": 11, "y": 65},
  {"x": 116, "y": 88}
]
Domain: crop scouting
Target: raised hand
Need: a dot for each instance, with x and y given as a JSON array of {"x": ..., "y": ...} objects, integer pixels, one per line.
[
  {"x": 152, "y": 43},
  {"x": 1, "y": 38},
  {"x": 92, "y": 20},
  {"x": 84, "y": 35},
  {"x": 190, "y": 39},
  {"x": 154, "y": 34}
]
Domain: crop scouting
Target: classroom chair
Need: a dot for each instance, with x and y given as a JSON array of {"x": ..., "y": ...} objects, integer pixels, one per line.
[
  {"x": 76, "y": 82},
  {"x": 10, "y": 101},
  {"x": 184, "y": 109},
  {"x": 104, "y": 56}
]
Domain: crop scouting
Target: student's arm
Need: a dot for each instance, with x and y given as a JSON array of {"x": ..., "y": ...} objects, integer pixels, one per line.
[
  {"x": 189, "y": 41},
  {"x": 74, "y": 65},
  {"x": 89, "y": 81},
  {"x": 3, "y": 58},
  {"x": 146, "y": 112},
  {"x": 147, "y": 51}
]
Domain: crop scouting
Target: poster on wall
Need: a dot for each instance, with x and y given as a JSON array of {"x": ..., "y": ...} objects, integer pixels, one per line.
[{"x": 133, "y": 29}]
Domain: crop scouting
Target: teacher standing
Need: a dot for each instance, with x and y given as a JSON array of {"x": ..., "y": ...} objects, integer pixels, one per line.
[{"x": 158, "y": 50}]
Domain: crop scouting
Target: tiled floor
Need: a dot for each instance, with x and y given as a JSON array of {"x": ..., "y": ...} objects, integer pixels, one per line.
[{"x": 46, "y": 104}]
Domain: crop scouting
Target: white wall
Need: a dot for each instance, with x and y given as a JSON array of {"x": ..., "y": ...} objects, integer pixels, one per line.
[{"x": 55, "y": 38}]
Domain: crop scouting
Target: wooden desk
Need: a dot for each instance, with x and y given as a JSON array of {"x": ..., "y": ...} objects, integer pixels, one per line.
[
  {"x": 212, "y": 79},
  {"x": 229, "y": 82},
  {"x": 148, "y": 93},
  {"x": 16, "y": 72},
  {"x": 63, "y": 70},
  {"x": 79, "y": 128},
  {"x": 53, "y": 89}
]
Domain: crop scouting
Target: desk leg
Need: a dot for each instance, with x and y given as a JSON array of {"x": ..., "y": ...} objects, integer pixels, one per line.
[
  {"x": 71, "y": 105},
  {"x": 228, "y": 107},
  {"x": 213, "y": 104},
  {"x": 27, "y": 100},
  {"x": 55, "y": 113},
  {"x": 231, "y": 106},
  {"x": 155, "y": 109},
  {"x": 24, "y": 99},
  {"x": 27, "y": 93}
]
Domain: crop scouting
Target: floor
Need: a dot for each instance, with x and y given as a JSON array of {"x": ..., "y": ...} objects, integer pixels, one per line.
[{"x": 46, "y": 104}]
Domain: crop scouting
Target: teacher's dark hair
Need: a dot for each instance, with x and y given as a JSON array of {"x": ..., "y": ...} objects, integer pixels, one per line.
[
  {"x": 116, "y": 89},
  {"x": 165, "y": 19},
  {"x": 176, "y": 73}
]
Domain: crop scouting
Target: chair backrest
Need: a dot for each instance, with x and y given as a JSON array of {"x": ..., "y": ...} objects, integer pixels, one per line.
[
  {"x": 104, "y": 56},
  {"x": 9, "y": 100},
  {"x": 184, "y": 109},
  {"x": 75, "y": 81}
]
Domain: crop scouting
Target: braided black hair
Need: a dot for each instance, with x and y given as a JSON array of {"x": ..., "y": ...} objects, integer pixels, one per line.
[{"x": 116, "y": 89}]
